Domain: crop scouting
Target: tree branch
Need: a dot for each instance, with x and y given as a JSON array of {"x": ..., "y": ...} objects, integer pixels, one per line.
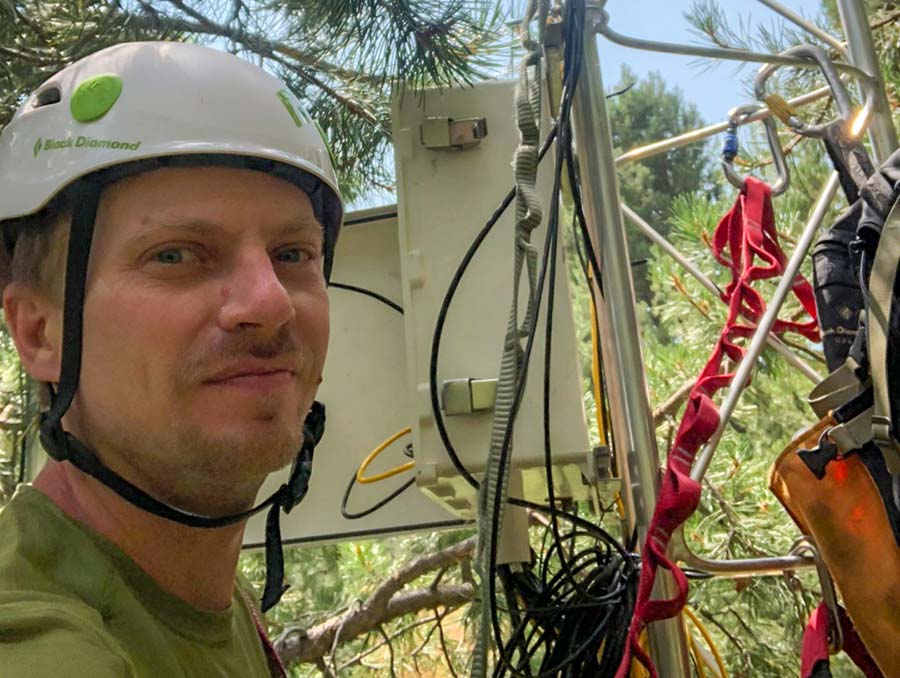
[
  {"x": 371, "y": 649},
  {"x": 446, "y": 652},
  {"x": 285, "y": 55},
  {"x": 297, "y": 645},
  {"x": 206, "y": 25},
  {"x": 387, "y": 602},
  {"x": 670, "y": 406}
]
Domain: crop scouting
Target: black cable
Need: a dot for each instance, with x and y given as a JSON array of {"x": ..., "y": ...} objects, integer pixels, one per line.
[
  {"x": 564, "y": 155},
  {"x": 441, "y": 320},
  {"x": 369, "y": 293},
  {"x": 565, "y": 591},
  {"x": 507, "y": 439},
  {"x": 561, "y": 606},
  {"x": 566, "y": 625},
  {"x": 409, "y": 483},
  {"x": 381, "y": 503}
]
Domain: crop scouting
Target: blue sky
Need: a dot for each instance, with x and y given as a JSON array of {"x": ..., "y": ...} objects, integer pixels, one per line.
[{"x": 714, "y": 91}]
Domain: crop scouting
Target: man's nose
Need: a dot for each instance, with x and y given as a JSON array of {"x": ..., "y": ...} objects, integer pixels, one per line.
[{"x": 253, "y": 295}]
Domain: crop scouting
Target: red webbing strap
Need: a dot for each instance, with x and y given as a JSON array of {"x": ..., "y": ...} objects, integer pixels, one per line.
[
  {"x": 746, "y": 234},
  {"x": 815, "y": 646},
  {"x": 276, "y": 667}
]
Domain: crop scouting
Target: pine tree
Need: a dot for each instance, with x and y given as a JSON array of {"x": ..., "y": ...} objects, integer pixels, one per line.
[{"x": 344, "y": 59}]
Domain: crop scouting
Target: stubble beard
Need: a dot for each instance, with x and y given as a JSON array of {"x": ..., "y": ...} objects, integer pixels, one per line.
[
  {"x": 194, "y": 467},
  {"x": 209, "y": 472}
]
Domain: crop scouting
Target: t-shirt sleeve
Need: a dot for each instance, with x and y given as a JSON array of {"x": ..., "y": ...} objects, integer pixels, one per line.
[{"x": 47, "y": 638}]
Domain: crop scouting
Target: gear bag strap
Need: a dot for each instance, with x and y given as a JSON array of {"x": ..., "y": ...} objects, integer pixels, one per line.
[
  {"x": 276, "y": 666},
  {"x": 881, "y": 293}
]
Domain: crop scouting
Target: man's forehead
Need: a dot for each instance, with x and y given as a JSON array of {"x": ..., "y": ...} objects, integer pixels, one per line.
[
  {"x": 207, "y": 200},
  {"x": 300, "y": 224}
]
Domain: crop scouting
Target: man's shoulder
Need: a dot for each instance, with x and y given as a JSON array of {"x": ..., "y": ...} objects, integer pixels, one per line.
[
  {"x": 43, "y": 551},
  {"x": 43, "y": 634}
]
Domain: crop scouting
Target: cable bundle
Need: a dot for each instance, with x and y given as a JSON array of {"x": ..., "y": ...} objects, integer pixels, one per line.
[{"x": 567, "y": 611}]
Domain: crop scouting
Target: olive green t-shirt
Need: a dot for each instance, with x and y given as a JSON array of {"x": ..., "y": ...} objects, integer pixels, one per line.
[{"x": 73, "y": 605}]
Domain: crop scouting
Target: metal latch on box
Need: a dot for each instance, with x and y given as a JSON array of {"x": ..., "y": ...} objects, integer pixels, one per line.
[
  {"x": 464, "y": 396},
  {"x": 440, "y": 133}
]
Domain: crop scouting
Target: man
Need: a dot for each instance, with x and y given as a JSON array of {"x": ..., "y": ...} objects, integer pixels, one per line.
[{"x": 193, "y": 207}]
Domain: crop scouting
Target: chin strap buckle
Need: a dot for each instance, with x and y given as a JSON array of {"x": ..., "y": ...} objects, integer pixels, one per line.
[
  {"x": 53, "y": 438},
  {"x": 288, "y": 496}
]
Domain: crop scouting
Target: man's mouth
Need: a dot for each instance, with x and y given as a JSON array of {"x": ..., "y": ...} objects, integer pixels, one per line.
[
  {"x": 263, "y": 381},
  {"x": 254, "y": 375}
]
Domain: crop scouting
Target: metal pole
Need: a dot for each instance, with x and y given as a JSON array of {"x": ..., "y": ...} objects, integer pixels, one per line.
[
  {"x": 715, "y": 52},
  {"x": 701, "y": 463},
  {"x": 807, "y": 26},
  {"x": 635, "y": 439},
  {"x": 696, "y": 135},
  {"x": 862, "y": 54}
]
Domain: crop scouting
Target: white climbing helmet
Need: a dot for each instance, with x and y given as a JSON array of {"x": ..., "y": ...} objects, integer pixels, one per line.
[{"x": 145, "y": 100}]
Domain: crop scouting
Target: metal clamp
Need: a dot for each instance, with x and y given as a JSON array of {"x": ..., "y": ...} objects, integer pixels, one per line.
[
  {"x": 736, "y": 117},
  {"x": 848, "y": 117},
  {"x": 447, "y": 133},
  {"x": 465, "y": 396}
]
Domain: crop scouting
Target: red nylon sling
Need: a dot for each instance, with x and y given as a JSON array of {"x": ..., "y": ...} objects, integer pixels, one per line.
[
  {"x": 745, "y": 241},
  {"x": 815, "y": 646}
]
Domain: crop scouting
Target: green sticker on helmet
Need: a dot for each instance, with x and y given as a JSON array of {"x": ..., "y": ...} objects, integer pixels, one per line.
[
  {"x": 94, "y": 97},
  {"x": 298, "y": 115}
]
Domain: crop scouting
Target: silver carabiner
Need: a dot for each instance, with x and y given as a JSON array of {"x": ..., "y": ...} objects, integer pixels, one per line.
[
  {"x": 736, "y": 117},
  {"x": 848, "y": 116}
]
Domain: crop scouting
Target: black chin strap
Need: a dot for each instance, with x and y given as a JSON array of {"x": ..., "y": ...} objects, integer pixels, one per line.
[{"x": 62, "y": 446}]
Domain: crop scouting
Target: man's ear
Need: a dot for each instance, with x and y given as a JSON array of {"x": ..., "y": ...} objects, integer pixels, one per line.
[{"x": 35, "y": 324}]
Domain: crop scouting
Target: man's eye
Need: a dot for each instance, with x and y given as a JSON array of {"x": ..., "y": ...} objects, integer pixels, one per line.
[
  {"x": 294, "y": 255},
  {"x": 172, "y": 255}
]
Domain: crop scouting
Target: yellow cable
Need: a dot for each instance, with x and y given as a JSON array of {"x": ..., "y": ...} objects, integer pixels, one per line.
[
  {"x": 696, "y": 653},
  {"x": 595, "y": 371},
  {"x": 620, "y": 505},
  {"x": 637, "y": 669},
  {"x": 720, "y": 664},
  {"x": 374, "y": 454}
]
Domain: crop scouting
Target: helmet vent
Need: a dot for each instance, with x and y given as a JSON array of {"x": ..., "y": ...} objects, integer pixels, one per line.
[{"x": 51, "y": 95}]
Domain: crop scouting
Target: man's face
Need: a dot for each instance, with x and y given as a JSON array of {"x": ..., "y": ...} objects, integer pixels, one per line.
[{"x": 205, "y": 332}]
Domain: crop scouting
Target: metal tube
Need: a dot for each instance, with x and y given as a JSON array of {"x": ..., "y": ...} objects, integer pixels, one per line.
[
  {"x": 629, "y": 402},
  {"x": 655, "y": 237},
  {"x": 739, "y": 567},
  {"x": 658, "y": 239},
  {"x": 696, "y": 135},
  {"x": 701, "y": 463},
  {"x": 807, "y": 26},
  {"x": 715, "y": 52},
  {"x": 862, "y": 54}
]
